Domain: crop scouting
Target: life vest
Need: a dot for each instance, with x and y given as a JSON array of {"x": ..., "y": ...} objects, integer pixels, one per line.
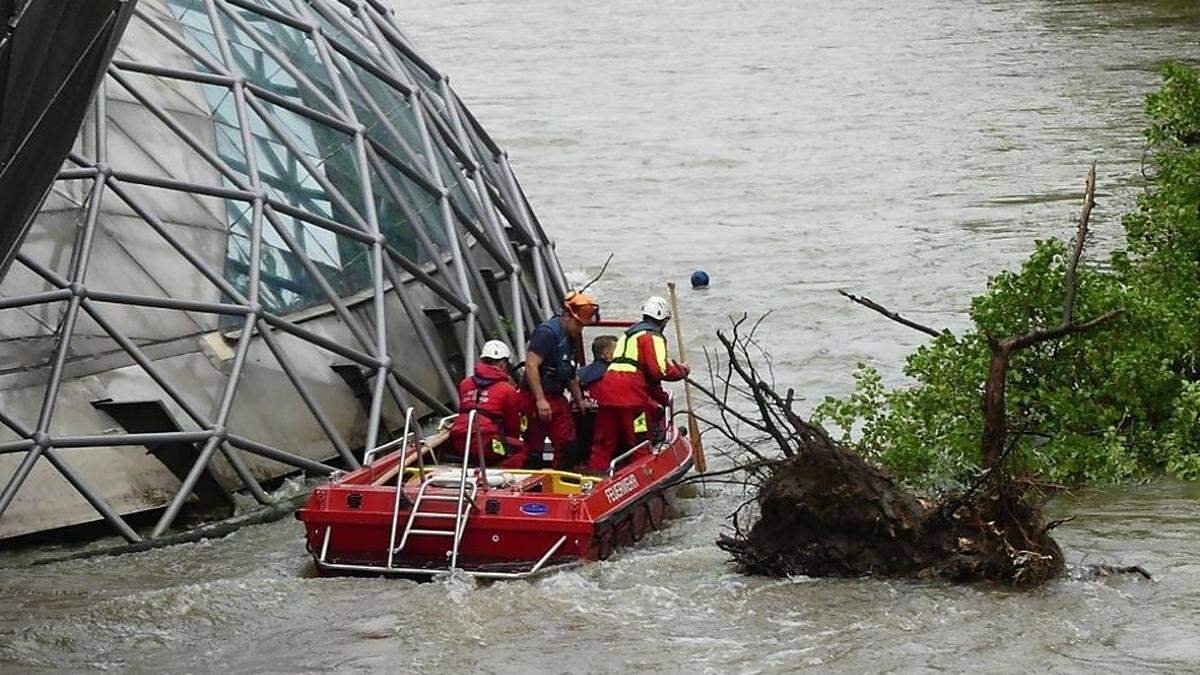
[
  {"x": 469, "y": 403},
  {"x": 625, "y": 354},
  {"x": 558, "y": 372},
  {"x": 470, "y": 400}
]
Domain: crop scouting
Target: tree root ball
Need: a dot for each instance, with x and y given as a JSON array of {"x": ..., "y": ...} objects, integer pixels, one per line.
[{"x": 826, "y": 512}]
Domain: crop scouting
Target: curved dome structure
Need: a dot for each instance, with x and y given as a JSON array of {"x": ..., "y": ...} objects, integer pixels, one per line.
[{"x": 278, "y": 229}]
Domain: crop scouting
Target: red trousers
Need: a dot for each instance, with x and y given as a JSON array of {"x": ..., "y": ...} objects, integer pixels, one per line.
[
  {"x": 614, "y": 428},
  {"x": 560, "y": 430}
]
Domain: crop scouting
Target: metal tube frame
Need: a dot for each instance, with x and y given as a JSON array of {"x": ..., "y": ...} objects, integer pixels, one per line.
[{"x": 369, "y": 41}]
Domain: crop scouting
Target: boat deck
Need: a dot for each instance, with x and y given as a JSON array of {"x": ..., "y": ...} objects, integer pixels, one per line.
[{"x": 400, "y": 515}]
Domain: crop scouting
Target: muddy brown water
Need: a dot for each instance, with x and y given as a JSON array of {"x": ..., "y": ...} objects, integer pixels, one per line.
[{"x": 904, "y": 150}]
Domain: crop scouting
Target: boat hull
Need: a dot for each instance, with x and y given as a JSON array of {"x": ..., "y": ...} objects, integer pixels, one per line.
[{"x": 525, "y": 523}]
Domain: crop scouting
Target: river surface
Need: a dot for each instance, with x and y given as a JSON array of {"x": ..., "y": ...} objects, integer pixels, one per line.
[{"x": 904, "y": 150}]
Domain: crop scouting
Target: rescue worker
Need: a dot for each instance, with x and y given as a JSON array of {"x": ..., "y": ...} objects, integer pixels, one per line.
[
  {"x": 549, "y": 373},
  {"x": 632, "y": 385},
  {"x": 490, "y": 392},
  {"x": 602, "y": 353}
]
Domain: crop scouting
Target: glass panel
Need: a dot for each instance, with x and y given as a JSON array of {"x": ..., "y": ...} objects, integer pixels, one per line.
[
  {"x": 285, "y": 177},
  {"x": 192, "y": 16},
  {"x": 390, "y": 121},
  {"x": 338, "y": 30},
  {"x": 455, "y": 179},
  {"x": 262, "y": 69},
  {"x": 396, "y": 220},
  {"x": 329, "y": 186}
]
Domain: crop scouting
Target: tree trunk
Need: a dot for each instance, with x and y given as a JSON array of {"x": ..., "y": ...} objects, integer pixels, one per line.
[{"x": 995, "y": 422}]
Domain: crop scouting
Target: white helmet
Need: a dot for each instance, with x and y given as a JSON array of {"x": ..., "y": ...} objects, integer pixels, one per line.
[
  {"x": 495, "y": 349},
  {"x": 656, "y": 308}
]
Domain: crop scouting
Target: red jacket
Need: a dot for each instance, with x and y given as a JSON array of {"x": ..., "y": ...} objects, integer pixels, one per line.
[
  {"x": 492, "y": 393},
  {"x": 627, "y": 386}
]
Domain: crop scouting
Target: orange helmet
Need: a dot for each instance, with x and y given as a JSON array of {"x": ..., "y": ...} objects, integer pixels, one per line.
[{"x": 582, "y": 306}]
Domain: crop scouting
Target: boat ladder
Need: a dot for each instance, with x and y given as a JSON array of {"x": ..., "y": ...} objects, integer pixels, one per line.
[{"x": 464, "y": 502}]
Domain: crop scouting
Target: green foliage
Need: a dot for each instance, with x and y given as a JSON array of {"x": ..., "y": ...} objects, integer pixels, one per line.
[{"x": 1116, "y": 403}]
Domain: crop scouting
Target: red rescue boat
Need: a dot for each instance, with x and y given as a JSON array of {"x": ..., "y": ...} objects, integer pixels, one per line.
[{"x": 402, "y": 513}]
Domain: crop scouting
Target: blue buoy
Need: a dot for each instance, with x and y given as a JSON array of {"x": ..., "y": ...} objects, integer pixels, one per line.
[{"x": 699, "y": 279}]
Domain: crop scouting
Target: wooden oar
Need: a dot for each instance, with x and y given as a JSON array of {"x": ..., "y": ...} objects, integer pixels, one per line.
[
  {"x": 693, "y": 428},
  {"x": 426, "y": 447}
]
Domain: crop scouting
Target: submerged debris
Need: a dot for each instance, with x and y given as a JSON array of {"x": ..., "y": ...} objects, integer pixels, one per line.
[{"x": 825, "y": 512}]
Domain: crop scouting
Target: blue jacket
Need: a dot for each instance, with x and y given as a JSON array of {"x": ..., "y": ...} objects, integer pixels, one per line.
[
  {"x": 551, "y": 342},
  {"x": 591, "y": 373}
]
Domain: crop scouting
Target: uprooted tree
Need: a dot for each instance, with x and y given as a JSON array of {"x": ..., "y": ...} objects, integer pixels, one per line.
[{"x": 824, "y": 510}]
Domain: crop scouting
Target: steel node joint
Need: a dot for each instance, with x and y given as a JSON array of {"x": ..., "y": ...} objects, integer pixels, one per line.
[{"x": 41, "y": 440}]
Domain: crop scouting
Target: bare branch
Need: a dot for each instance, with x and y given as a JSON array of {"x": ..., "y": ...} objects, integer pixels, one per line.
[
  {"x": 1081, "y": 233},
  {"x": 750, "y": 378},
  {"x": 601, "y": 274},
  {"x": 721, "y": 404},
  {"x": 872, "y": 305},
  {"x": 1038, "y": 336},
  {"x": 750, "y": 466}
]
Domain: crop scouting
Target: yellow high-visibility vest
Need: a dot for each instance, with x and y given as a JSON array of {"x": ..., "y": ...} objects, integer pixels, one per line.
[{"x": 625, "y": 354}]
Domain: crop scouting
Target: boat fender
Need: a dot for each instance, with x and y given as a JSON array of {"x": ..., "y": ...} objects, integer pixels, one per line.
[
  {"x": 633, "y": 528},
  {"x": 605, "y": 532},
  {"x": 650, "y": 510},
  {"x": 626, "y": 522}
]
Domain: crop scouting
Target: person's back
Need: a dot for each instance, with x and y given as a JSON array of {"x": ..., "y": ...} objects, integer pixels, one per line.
[
  {"x": 498, "y": 405},
  {"x": 632, "y": 385},
  {"x": 585, "y": 419}
]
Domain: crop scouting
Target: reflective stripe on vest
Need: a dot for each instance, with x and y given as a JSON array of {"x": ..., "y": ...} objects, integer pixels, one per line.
[{"x": 625, "y": 354}]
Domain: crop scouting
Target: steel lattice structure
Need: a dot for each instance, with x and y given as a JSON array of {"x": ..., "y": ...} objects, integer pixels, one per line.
[{"x": 364, "y": 219}]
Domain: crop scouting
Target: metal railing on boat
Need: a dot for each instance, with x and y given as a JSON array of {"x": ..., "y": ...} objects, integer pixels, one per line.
[
  {"x": 612, "y": 466},
  {"x": 538, "y": 568},
  {"x": 668, "y": 428},
  {"x": 462, "y": 513}
]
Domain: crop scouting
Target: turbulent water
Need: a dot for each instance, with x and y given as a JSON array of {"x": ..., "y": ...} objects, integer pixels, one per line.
[{"x": 904, "y": 150}]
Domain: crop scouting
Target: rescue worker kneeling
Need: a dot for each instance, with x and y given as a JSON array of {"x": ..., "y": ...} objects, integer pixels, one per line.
[
  {"x": 490, "y": 392},
  {"x": 632, "y": 385}
]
